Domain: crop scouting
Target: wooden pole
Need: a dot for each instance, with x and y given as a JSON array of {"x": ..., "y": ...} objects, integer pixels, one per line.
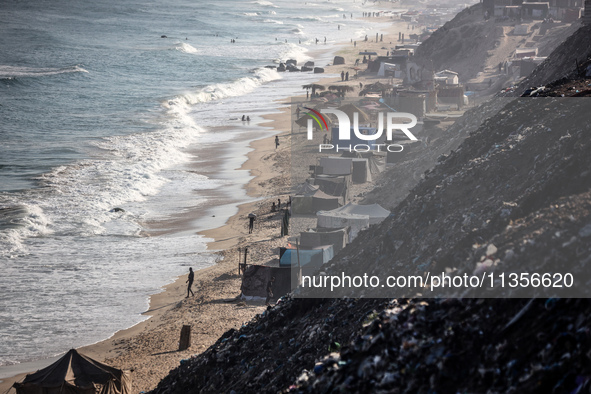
[{"x": 185, "y": 341}]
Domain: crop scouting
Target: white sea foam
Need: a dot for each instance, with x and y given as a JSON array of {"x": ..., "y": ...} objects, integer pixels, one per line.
[
  {"x": 7, "y": 72},
  {"x": 223, "y": 90},
  {"x": 265, "y": 3},
  {"x": 185, "y": 48},
  {"x": 272, "y": 21},
  {"x": 293, "y": 51}
]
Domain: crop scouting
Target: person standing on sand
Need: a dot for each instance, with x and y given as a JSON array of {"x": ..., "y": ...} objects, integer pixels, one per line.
[
  {"x": 190, "y": 281},
  {"x": 342, "y": 76},
  {"x": 251, "y": 219},
  {"x": 270, "y": 284},
  {"x": 276, "y": 141}
]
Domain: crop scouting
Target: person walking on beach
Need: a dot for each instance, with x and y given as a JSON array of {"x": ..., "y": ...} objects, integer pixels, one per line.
[
  {"x": 190, "y": 282},
  {"x": 270, "y": 284},
  {"x": 347, "y": 76},
  {"x": 251, "y": 219},
  {"x": 276, "y": 141},
  {"x": 342, "y": 76}
]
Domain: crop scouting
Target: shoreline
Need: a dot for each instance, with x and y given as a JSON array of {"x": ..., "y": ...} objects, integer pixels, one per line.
[{"x": 168, "y": 304}]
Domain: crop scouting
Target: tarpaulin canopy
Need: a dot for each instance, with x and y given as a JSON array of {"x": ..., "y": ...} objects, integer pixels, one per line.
[
  {"x": 309, "y": 259},
  {"x": 375, "y": 212},
  {"x": 332, "y": 219},
  {"x": 256, "y": 277},
  {"x": 75, "y": 373},
  {"x": 309, "y": 200},
  {"x": 336, "y": 165},
  {"x": 312, "y": 238}
]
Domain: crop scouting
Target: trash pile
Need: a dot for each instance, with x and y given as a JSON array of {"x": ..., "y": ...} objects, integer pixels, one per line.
[
  {"x": 562, "y": 63},
  {"x": 457, "y": 345},
  {"x": 268, "y": 354},
  {"x": 515, "y": 196}
]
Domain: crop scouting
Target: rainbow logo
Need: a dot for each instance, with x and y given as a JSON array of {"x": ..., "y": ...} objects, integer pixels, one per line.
[{"x": 318, "y": 115}]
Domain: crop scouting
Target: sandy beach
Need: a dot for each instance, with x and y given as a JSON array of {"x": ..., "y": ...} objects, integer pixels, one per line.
[{"x": 150, "y": 348}]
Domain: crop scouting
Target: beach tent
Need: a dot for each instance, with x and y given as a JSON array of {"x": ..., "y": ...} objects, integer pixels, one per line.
[
  {"x": 375, "y": 212},
  {"x": 309, "y": 199},
  {"x": 333, "y": 219},
  {"x": 302, "y": 202},
  {"x": 334, "y": 185},
  {"x": 376, "y": 161},
  {"x": 76, "y": 373},
  {"x": 324, "y": 202},
  {"x": 361, "y": 172},
  {"x": 309, "y": 259},
  {"x": 336, "y": 165},
  {"x": 256, "y": 277},
  {"x": 313, "y": 238}
]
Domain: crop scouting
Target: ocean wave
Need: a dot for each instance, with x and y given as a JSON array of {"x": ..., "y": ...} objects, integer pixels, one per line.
[
  {"x": 251, "y": 13},
  {"x": 78, "y": 199},
  {"x": 220, "y": 91},
  {"x": 272, "y": 21},
  {"x": 11, "y": 72},
  {"x": 307, "y": 18},
  {"x": 19, "y": 221},
  {"x": 338, "y": 9},
  {"x": 293, "y": 51},
  {"x": 185, "y": 48},
  {"x": 264, "y": 3}
]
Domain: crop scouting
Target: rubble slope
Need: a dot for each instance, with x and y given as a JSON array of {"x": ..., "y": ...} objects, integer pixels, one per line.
[{"x": 562, "y": 62}]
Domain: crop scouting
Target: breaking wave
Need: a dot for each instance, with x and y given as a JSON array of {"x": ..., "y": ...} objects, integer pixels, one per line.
[
  {"x": 223, "y": 90},
  {"x": 11, "y": 72}
]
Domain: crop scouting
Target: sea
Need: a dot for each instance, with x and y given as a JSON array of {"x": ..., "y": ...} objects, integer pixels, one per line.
[{"x": 105, "y": 107}]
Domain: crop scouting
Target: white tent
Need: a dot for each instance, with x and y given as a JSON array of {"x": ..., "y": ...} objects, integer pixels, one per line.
[
  {"x": 375, "y": 212},
  {"x": 332, "y": 219}
]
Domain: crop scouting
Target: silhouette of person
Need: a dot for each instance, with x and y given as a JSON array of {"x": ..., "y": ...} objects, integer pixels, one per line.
[
  {"x": 251, "y": 224},
  {"x": 276, "y": 141},
  {"x": 190, "y": 281},
  {"x": 270, "y": 284}
]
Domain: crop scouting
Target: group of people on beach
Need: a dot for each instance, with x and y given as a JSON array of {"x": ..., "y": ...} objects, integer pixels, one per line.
[{"x": 245, "y": 118}]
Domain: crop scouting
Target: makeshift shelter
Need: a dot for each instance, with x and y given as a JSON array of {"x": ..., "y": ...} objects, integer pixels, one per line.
[
  {"x": 302, "y": 202},
  {"x": 389, "y": 69},
  {"x": 309, "y": 259},
  {"x": 323, "y": 202},
  {"x": 336, "y": 165},
  {"x": 256, "y": 277},
  {"x": 313, "y": 238},
  {"x": 333, "y": 219},
  {"x": 376, "y": 161},
  {"x": 361, "y": 172},
  {"x": 309, "y": 199},
  {"x": 376, "y": 213},
  {"x": 76, "y": 373},
  {"x": 334, "y": 185}
]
